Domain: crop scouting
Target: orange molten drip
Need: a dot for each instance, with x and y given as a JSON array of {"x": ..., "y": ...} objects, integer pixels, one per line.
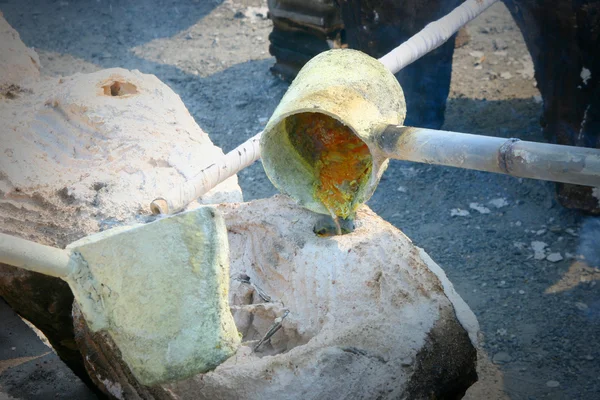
[{"x": 341, "y": 160}]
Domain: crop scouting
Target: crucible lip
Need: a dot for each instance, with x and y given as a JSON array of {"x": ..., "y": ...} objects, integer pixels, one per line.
[{"x": 348, "y": 86}]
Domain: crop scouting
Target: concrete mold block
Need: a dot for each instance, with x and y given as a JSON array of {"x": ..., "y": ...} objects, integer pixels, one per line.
[{"x": 371, "y": 316}]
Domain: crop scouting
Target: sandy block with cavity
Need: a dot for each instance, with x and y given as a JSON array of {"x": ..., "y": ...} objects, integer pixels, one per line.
[
  {"x": 371, "y": 316},
  {"x": 90, "y": 151}
]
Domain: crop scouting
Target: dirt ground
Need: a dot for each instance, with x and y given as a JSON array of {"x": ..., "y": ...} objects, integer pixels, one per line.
[{"x": 496, "y": 237}]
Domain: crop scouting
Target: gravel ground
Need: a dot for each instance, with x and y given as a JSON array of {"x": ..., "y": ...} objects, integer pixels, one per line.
[{"x": 511, "y": 251}]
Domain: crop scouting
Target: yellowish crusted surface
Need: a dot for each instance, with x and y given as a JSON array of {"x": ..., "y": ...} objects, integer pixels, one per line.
[{"x": 342, "y": 162}]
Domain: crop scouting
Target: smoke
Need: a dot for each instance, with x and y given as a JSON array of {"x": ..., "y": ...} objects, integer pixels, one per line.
[{"x": 589, "y": 243}]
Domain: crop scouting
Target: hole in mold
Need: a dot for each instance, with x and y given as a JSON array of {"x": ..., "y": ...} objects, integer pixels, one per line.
[
  {"x": 327, "y": 226},
  {"x": 117, "y": 88}
]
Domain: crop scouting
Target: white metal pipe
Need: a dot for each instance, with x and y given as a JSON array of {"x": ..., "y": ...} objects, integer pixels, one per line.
[
  {"x": 557, "y": 163},
  {"x": 34, "y": 256},
  {"x": 227, "y": 166}
]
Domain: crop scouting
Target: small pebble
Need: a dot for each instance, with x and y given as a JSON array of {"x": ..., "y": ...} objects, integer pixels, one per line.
[
  {"x": 499, "y": 44},
  {"x": 457, "y": 212},
  {"x": 506, "y": 75},
  {"x": 581, "y": 306},
  {"x": 501, "y": 358},
  {"x": 554, "y": 257},
  {"x": 552, "y": 384},
  {"x": 519, "y": 245},
  {"x": 571, "y": 232},
  {"x": 479, "y": 207},
  {"x": 539, "y": 250},
  {"x": 499, "y": 202}
]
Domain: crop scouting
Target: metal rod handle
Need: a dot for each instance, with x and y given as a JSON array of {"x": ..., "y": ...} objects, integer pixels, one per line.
[
  {"x": 551, "y": 162},
  {"x": 434, "y": 35},
  {"x": 227, "y": 166},
  {"x": 34, "y": 256}
]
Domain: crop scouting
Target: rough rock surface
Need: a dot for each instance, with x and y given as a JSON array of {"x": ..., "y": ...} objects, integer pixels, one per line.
[
  {"x": 81, "y": 154},
  {"x": 160, "y": 290},
  {"x": 90, "y": 151},
  {"x": 370, "y": 316}
]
